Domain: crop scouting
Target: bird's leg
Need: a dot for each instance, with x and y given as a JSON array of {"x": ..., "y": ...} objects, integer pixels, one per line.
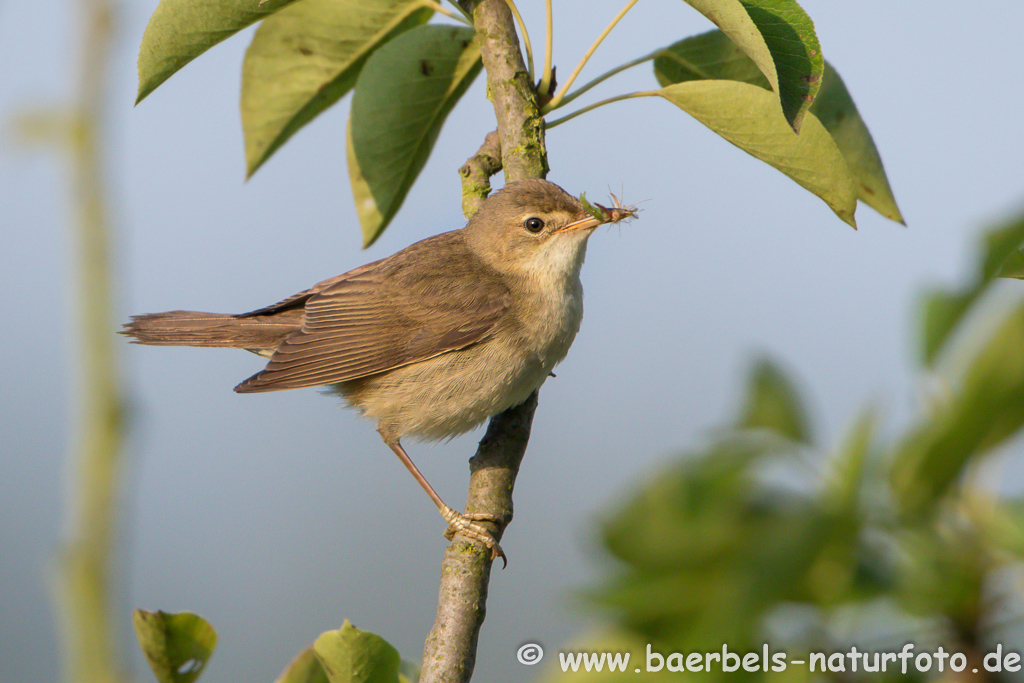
[{"x": 458, "y": 523}]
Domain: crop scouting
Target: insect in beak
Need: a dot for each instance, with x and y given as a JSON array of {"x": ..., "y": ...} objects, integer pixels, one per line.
[{"x": 600, "y": 214}]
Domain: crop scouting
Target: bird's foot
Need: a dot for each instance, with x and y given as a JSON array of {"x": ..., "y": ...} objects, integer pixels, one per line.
[{"x": 466, "y": 524}]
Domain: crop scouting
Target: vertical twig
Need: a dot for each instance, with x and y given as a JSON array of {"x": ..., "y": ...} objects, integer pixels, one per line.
[
  {"x": 449, "y": 653},
  {"x": 477, "y": 171},
  {"x": 83, "y": 596}
]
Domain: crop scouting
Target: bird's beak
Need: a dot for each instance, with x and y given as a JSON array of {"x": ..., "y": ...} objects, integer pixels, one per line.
[
  {"x": 588, "y": 223},
  {"x": 611, "y": 215}
]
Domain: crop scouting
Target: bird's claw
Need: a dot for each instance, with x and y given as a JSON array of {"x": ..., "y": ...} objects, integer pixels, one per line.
[{"x": 466, "y": 524}]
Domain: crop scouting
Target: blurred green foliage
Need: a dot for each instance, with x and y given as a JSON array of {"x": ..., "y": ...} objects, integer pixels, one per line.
[{"x": 766, "y": 541}]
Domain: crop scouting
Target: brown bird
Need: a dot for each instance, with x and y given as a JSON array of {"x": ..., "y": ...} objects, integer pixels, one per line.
[{"x": 434, "y": 339}]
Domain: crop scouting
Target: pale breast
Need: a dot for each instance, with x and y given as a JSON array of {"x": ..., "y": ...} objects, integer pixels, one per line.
[{"x": 450, "y": 394}]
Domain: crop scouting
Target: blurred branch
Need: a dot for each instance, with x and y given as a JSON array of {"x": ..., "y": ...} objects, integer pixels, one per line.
[{"x": 84, "y": 599}]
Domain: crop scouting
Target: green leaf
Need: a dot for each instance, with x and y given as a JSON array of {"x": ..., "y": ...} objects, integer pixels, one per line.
[
  {"x": 944, "y": 570},
  {"x": 404, "y": 93},
  {"x": 685, "y": 515},
  {"x": 985, "y": 407},
  {"x": 1003, "y": 251},
  {"x": 779, "y": 37},
  {"x": 941, "y": 313},
  {"x": 1002, "y": 524},
  {"x": 349, "y": 655},
  {"x": 408, "y": 672},
  {"x": 712, "y": 56},
  {"x": 747, "y": 116},
  {"x": 305, "y": 58},
  {"x": 708, "y": 547},
  {"x": 181, "y": 30},
  {"x": 774, "y": 403},
  {"x": 595, "y": 211},
  {"x": 707, "y": 56},
  {"x": 305, "y": 668},
  {"x": 789, "y": 34},
  {"x": 943, "y": 310},
  {"x": 835, "y": 109},
  {"x": 177, "y": 646},
  {"x": 848, "y": 467}
]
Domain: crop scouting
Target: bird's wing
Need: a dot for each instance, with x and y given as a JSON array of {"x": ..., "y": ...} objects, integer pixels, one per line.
[
  {"x": 299, "y": 300},
  {"x": 383, "y": 317}
]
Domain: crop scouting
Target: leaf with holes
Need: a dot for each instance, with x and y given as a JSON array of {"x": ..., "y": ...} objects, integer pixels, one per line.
[
  {"x": 177, "y": 646},
  {"x": 404, "y": 93}
]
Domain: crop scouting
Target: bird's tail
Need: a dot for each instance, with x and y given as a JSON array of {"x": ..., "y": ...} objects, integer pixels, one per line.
[{"x": 192, "y": 328}]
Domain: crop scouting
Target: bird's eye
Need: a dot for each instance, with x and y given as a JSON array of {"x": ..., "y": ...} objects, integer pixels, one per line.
[{"x": 533, "y": 224}]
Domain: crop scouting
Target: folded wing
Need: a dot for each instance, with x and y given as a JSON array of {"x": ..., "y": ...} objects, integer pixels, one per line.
[{"x": 385, "y": 315}]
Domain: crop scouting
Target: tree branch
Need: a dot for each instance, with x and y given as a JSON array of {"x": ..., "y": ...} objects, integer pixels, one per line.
[
  {"x": 520, "y": 126},
  {"x": 477, "y": 171},
  {"x": 449, "y": 653}
]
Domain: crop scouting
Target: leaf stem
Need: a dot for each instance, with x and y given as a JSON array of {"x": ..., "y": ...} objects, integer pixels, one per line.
[
  {"x": 549, "y": 40},
  {"x": 438, "y": 7},
  {"x": 462, "y": 10},
  {"x": 526, "y": 36},
  {"x": 605, "y": 76},
  {"x": 557, "y": 99},
  {"x": 595, "y": 105}
]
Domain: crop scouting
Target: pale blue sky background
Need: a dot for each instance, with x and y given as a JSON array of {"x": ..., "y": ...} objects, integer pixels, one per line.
[{"x": 278, "y": 515}]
